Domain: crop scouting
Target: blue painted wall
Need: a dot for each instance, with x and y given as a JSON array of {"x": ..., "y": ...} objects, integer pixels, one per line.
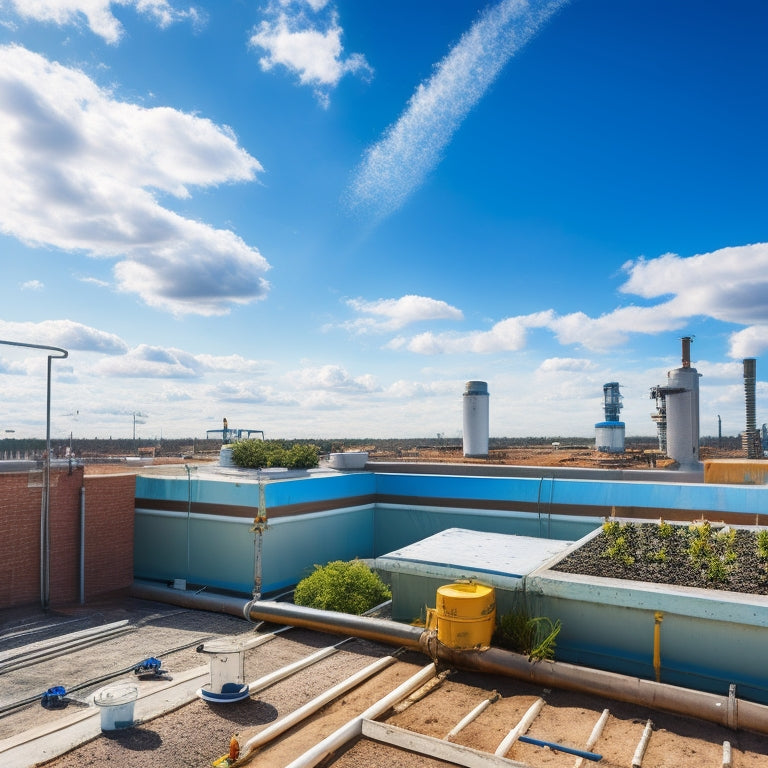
[{"x": 218, "y": 550}]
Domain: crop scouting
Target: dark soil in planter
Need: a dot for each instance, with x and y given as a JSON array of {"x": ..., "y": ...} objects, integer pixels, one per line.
[{"x": 639, "y": 558}]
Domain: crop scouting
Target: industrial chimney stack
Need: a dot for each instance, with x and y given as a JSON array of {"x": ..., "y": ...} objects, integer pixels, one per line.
[{"x": 750, "y": 440}]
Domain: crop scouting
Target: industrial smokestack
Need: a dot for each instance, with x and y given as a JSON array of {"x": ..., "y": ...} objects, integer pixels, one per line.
[
  {"x": 751, "y": 439},
  {"x": 686, "y": 351}
]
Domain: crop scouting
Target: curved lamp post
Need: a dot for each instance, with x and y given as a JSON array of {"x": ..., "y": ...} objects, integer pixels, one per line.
[{"x": 45, "y": 549}]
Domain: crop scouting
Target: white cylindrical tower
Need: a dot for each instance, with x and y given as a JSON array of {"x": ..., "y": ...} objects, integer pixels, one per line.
[
  {"x": 476, "y": 399},
  {"x": 682, "y": 406}
]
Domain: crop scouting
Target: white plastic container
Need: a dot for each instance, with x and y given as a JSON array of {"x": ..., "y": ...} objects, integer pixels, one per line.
[
  {"x": 116, "y": 703},
  {"x": 348, "y": 460}
]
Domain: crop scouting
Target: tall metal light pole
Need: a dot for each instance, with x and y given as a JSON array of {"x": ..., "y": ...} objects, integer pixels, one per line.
[{"x": 45, "y": 528}]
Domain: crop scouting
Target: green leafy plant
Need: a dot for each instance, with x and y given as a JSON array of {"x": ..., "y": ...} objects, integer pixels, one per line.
[
  {"x": 717, "y": 570},
  {"x": 347, "y": 587},
  {"x": 700, "y": 545},
  {"x": 659, "y": 556},
  {"x": 665, "y": 530},
  {"x": 534, "y": 636},
  {"x": 619, "y": 538},
  {"x": 260, "y": 454},
  {"x": 761, "y": 542},
  {"x": 620, "y": 550}
]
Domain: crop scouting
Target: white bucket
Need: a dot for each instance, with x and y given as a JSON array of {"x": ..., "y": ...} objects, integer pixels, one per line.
[{"x": 116, "y": 702}]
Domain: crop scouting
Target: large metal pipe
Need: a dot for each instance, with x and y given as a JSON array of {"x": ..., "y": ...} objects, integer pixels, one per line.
[
  {"x": 200, "y": 601},
  {"x": 723, "y": 710},
  {"x": 367, "y": 627}
]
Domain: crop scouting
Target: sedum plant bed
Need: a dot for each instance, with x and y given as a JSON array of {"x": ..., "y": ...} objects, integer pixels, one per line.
[{"x": 700, "y": 555}]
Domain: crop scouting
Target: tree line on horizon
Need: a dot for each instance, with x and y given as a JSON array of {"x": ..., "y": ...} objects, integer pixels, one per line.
[{"x": 88, "y": 447}]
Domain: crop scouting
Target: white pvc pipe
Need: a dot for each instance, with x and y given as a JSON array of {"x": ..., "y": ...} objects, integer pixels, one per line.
[
  {"x": 594, "y": 736},
  {"x": 355, "y": 726},
  {"x": 520, "y": 728},
  {"x": 295, "y": 717},
  {"x": 637, "y": 759},
  {"x": 473, "y": 715},
  {"x": 727, "y": 754},
  {"x": 289, "y": 669}
]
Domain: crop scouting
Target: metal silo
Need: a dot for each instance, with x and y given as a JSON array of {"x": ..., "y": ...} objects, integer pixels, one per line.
[
  {"x": 609, "y": 434},
  {"x": 476, "y": 399},
  {"x": 681, "y": 398}
]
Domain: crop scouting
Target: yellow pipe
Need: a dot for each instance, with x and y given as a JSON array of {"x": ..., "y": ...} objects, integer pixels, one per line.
[{"x": 658, "y": 617}]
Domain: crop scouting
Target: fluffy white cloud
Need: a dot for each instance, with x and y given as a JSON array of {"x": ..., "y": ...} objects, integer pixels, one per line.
[
  {"x": 66, "y": 334},
  {"x": 98, "y": 13},
  {"x": 613, "y": 328},
  {"x": 749, "y": 342},
  {"x": 146, "y": 361},
  {"x": 333, "y": 378},
  {"x": 310, "y": 48},
  {"x": 77, "y": 172},
  {"x": 729, "y": 284},
  {"x": 398, "y": 164},
  {"x": 569, "y": 364},
  {"x": 508, "y": 335},
  {"x": 397, "y": 313}
]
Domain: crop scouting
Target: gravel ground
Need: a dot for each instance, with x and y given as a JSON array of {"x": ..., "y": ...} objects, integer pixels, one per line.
[
  {"x": 197, "y": 733},
  {"x": 642, "y": 552}
]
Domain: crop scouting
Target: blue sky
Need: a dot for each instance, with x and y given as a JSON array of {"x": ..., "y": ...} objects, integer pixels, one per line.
[{"x": 320, "y": 219}]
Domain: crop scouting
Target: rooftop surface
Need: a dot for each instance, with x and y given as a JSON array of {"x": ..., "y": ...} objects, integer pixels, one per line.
[{"x": 174, "y": 727}]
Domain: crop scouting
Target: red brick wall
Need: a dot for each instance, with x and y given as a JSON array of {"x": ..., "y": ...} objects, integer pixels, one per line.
[{"x": 109, "y": 509}]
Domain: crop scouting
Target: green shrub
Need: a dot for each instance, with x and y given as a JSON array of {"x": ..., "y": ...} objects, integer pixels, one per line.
[
  {"x": 260, "y": 454},
  {"x": 302, "y": 456},
  {"x": 347, "y": 587}
]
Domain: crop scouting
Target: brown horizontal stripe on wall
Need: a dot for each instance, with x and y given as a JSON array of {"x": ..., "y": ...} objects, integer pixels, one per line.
[
  {"x": 500, "y": 505},
  {"x": 249, "y": 512}
]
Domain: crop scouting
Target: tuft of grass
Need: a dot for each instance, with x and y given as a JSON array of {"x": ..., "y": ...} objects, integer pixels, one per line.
[{"x": 534, "y": 636}]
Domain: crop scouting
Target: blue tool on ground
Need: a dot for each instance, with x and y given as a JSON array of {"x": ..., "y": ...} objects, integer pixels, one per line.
[
  {"x": 55, "y": 697},
  {"x": 150, "y": 667}
]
